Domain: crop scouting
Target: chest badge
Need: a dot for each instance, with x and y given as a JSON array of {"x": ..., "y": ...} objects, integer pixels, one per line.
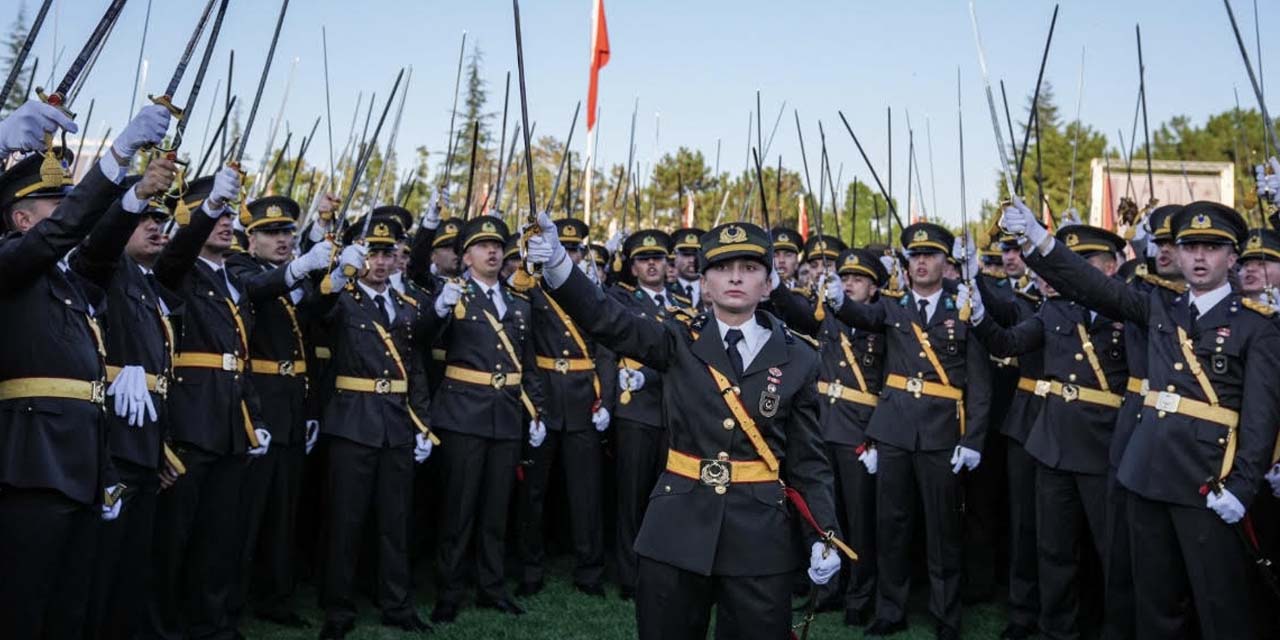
[
  {"x": 1219, "y": 363},
  {"x": 769, "y": 404}
]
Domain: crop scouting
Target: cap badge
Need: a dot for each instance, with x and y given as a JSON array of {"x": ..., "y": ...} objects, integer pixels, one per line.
[
  {"x": 381, "y": 230},
  {"x": 570, "y": 231},
  {"x": 733, "y": 233},
  {"x": 274, "y": 211},
  {"x": 920, "y": 236},
  {"x": 1255, "y": 241},
  {"x": 488, "y": 227},
  {"x": 1072, "y": 239},
  {"x": 649, "y": 241},
  {"x": 1201, "y": 221}
]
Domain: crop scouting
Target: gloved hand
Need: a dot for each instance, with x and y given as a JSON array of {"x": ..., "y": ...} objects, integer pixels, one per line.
[
  {"x": 112, "y": 512},
  {"x": 264, "y": 443},
  {"x": 226, "y": 187},
  {"x": 630, "y": 379},
  {"x": 1273, "y": 479},
  {"x": 870, "y": 459},
  {"x": 447, "y": 298},
  {"x": 132, "y": 400},
  {"x": 835, "y": 291},
  {"x": 545, "y": 247},
  {"x": 1018, "y": 220},
  {"x": 313, "y": 434},
  {"x": 1273, "y": 298},
  {"x": 25, "y": 128},
  {"x": 431, "y": 217},
  {"x": 1226, "y": 505},
  {"x": 615, "y": 241},
  {"x": 1268, "y": 184},
  {"x": 537, "y": 433},
  {"x": 964, "y": 457},
  {"x": 1070, "y": 217},
  {"x": 353, "y": 255},
  {"x": 824, "y": 563},
  {"x": 146, "y": 129},
  {"x": 314, "y": 259},
  {"x": 421, "y": 447},
  {"x": 600, "y": 418},
  {"x": 971, "y": 295}
]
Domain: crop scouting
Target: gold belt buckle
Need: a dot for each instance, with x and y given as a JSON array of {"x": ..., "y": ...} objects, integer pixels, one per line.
[
  {"x": 562, "y": 366},
  {"x": 228, "y": 362},
  {"x": 1168, "y": 401},
  {"x": 286, "y": 367},
  {"x": 834, "y": 390},
  {"x": 382, "y": 386},
  {"x": 498, "y": 380},
  {"x": 715, "y": 473},
  {"x": 1043, "y": 387},
  {"x": 98, "y": 392},
  {"x": 162, "y": 386},
  {"x": 1146, "y": 386},
  {"x": 1070, "y": 392},
  {"x": 915, "y": 386}
]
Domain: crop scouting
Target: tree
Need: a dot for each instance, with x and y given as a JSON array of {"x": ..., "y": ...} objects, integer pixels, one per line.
[
  {"x": 1233, "y": 136},
  {"x": 12, "y": 47},
  {"x": 474, "y": 124}
]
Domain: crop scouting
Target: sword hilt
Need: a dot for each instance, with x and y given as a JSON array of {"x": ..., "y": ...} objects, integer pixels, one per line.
[
  {"x": 167, "y": 102},
  {"x": 54, "y": 99}
]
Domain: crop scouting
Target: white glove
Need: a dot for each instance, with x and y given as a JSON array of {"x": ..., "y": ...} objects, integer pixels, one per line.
[
  {"x": 431, "y": 218},
  {"x": 824, "y": 563},
  {"x": 447, "y": 298},
  {"x": 421, "y": 448},
  {"x": 226, "y": 187},
  {"x": 146, "y": 129},
  {"x": 588, "y": 269},
  {"x": 971, "y": 295},
  {"x": 600, "y": 418},
  {"x": 1273, "y": 298},
  {"x": 775, "y": 280},
  {"x": 964, "y": 457},
  {"x": 537, "y": 433},
  {"x": 353, "y": 256},
  {"x": 615, "y": 241},
  {"x": 112, "y": 512},
  {"x": 264, "y": 443},
  {"x": 1225, "y": 505},
  {"x": 313, "y": 434},
  {"x": 1070, "y": 217},
  {"x": 1018, "y": 220},
  {"x": 870, "y": 459},
  {"x": 630, "y": 379},
  {"x": 25, "y": 128},
  {"x": 1268, "y": 185},
  {"x": 545, "y": 247},
  {"x": 313, "y": 260},
  {"x": 133, "y": 401},
  {"x": 835, "y": 291}
]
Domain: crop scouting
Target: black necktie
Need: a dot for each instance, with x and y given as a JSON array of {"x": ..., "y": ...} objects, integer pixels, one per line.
[
  {"x": 688, "y": 292},
  {"x": 152, "y": 283},
  {"x": 221, "y": 279},
  {"x": 1195, "y": 315},
  {"x": 732, "y": 337},
  {"x": 924, "y": 312},
  {"x": 381, "y": 303},
  {"x": 659, "y": 299}
]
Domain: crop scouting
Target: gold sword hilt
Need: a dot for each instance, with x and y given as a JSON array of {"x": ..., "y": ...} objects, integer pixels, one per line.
[{"x": 167, "y": 102}]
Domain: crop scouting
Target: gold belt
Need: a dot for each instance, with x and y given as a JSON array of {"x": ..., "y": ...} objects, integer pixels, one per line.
[
  {"x": 379, "y": 386},
  {"x": 496, "y": 380},
  {"x": 1070, "y": 392},
  {"x": 278, "y": 368},
  {"x": 565, "y": 365},
  {"x": 94, "y": 391},
  {"x": 1169, "y": 402},
  {"x": 719, "y": 472},
  {"x": 919, "y": 386},
  {"x": 1139, "y": 386},
  {"x": 156, "y": 383},
  {"x": 223, "y": 361},
  {"x": 836, "y": 391}
]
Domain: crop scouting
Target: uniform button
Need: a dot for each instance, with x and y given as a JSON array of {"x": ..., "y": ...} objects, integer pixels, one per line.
[
  {"x": 1222, "y": 441},
  {"x": 361, "y": 326},
  {"x": 235, "y": 376},
  {"x": 385, "y": 372},
  {"x": 1071, "y": 377},
  {"x": 565, "y": 352},
  {"x": 499, "y": 346},
  {"x": 567, "y": 334},
  {"x": 667, "y": 488},
  {"x": 842, "y": 363},
  {"x": 1177, "y": 366},
  {"x": 1079, "y": 357},
  {"x": 722, "y": 456},
  {"x": 68, "y": 301},
  {"x": 1159, "y": 414},
  {"x": 1169, "y": 388},
  {"x": 728, "y": 424},
  {"x": 498, "y": 366},
  {"x": 720, "y": 490},
  {"x": 922, "y": 354},
  {"x": 1217, "y": 349}
]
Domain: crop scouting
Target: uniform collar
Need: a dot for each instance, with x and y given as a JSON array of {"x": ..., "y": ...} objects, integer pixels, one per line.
[{"x": 1207, "y": 301}]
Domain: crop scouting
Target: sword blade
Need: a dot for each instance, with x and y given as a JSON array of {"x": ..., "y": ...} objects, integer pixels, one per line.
[
  {"x": 88, "y": 51},
  {"x": 262, "y": 83},
  {"x": 176, "y": 78},
  {"x": 21, "y": 59},
  {"x": 1006, "y": 172},
  {"x": 198, "y": 81}
]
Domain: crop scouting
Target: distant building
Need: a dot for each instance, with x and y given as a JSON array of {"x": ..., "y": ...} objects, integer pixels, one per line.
[{"x": 1175, "y": 182}]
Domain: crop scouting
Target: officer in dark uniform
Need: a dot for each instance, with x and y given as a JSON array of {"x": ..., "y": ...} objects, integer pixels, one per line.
[
  {"x": 1260, "y": 265},
  {"x": 490, "y": 382},
  {"x": 786, "y": 254},
  {"x": 1207, "y": 429},
  {"x": 930, "y": 424},
  {"x": 685, "y": 252},
  {"x": 1084, "y": 368},
  {"x": 55, "y": 466},
  {"x": 849, "y": 384},
  {"x": 139, "y": 335},
  {"x": 215, "y": 421},
  {"x": 639, "y": 429},
  {"x": 375, "y": 426},
  {"x": 742, "y": 408},
  {"x": 574, "y": 415}
]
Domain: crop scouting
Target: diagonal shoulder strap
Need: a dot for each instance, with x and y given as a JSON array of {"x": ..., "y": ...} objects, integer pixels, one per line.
[{"x": 730, "y": 395}]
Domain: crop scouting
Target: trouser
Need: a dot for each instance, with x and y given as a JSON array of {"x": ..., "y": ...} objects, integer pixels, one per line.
[
  {"x": 1185, "y": 557},
  {"x": 1024, "y": 585},
  {"x": 1118, "y": 619},
  {"x": 642, "y": 453},
  {"x": 579, "y": 453},
  {"x": 1070, "y": 510},
  {"x": 195, "y": 549},
  {"x": 478, "y": 475},
  {"x": 48, "y": 540},
  {"x": 982, "y": 497},
  {"x": 123, "y": 562},
  {"x": 269, "y": 512},
  {"x": 856, "y": 498},
  {"x": 904, "y": 476},
  {"x": 675, "y": 604},
  {"x": 367, "y": 482}
]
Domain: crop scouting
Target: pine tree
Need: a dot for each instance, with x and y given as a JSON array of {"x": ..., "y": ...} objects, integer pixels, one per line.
[
  {"x": 12, "y": 46},
  {"x": 472, "y": 112}
]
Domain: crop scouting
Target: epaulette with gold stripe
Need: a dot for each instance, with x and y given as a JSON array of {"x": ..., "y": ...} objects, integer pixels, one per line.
[
  {"x": 1028, "y": 295},
  {"x": 806, "y": 339},
  {"x": 625, "y": 287},
  {"x": 408, "y": 298},
  {"x": 519, "y": 294},
  {"x": 1261, "y": 308},
  {"x": 1176, "y": 287}
]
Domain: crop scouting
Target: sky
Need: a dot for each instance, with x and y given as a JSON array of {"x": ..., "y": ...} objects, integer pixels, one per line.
[{"x": 695, "y": 67}]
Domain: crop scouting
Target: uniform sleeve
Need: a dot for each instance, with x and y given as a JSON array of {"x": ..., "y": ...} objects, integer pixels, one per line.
[
  {"x": 1077, "y": 280},
  {"x": 1001, "y": 308},
  {"x": 179, "y": 255},
  {"x": 98, "y": 256},
  {"x": 260, "y": 284},
  {"x": 807, "y": 467},
  {"x": 419, "y": 268},
  {"x": 607, "y": 372},
  {"x": 977, "y": 394},
  {"x": 1025, "y": 337},
  {"x": 795, "y": 310},
  {"x": 868, "y": 316},
  {"x": 1259, "y": 416},
  {"x": 614, "y": 325}
]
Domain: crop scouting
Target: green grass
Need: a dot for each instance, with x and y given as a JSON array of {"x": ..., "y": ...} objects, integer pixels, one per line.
[{"x": 561, "y": 613}]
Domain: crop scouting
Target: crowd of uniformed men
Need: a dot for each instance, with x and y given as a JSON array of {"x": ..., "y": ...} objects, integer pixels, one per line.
[{"x": 202, "y": 399}]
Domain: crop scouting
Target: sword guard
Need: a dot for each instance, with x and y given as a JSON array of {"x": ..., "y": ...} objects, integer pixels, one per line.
[
  {"x": 167, "y": 103},
  {"x": 54, "y": 99}
]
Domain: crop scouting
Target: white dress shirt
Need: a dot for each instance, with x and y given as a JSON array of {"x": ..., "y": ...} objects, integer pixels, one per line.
[
  {"x": 497, "y": 298},
  {"x": 222, "y": 268},
  {"x": 1207, "y": 301},
  {"x": 931, "y": 299},
  {"x": 653, "y": 295},
  {"x": 386, "y": 296},
  {"x": 753, "y": 338}
]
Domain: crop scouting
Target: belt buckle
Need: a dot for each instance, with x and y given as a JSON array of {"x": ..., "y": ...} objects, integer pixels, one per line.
[
  {"x": 562, "y": 366},
  {"x": 498, "y": 380},
  {"x": 715, "y": 473},
  {"x": 162, "y": 386},
  {"x": 285, "y": 367},
  {"x": 1168, "y": 402},
  {"x": 1070, "y": 392},
  {"x": 915, "y": 386},
  {"x": 1043, "y": 387},
  {"x": 835, "y": 390},
  {"x": 382, "y": 386},
  {"x": 228, "y": 362},
  {"x": 98, "y": 392},
  {"x": 1146, "y": 386}
]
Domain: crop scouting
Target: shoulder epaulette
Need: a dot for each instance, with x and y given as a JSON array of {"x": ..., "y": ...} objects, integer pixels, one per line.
[
  {"x": 1176, "y": 287},
  {"x": 1028, "y": 295},
  {"x": 681, "y": 314},
  {"x": 684, "y": 302},
  {"x": 625, "y": 287},
  {"x": 519, "y": 294},
  {"x": 407, "y": 298},
  {"x": 806, "y": 339},
  {"x": 698, "y": 322},
  {"x": 1261, "y": 308}
]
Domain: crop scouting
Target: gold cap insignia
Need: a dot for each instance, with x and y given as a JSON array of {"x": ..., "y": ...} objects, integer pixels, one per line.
[
  {"x": 381, "y": 230},
  {"x": 274, "y": 211},
  {"x": 488, "y": 227},
  {"x": 1072, "y": 239},
  {"x": 571, "y": 231},
  {"x": 691, "y": 238},
  {"x": 920, "y": 236},
  {"x": 1201, "y": 221},
  {"x": 649, "y": 241},
  {"x": 1255, "y": 241},
  {"x": 733, "y": 233}
]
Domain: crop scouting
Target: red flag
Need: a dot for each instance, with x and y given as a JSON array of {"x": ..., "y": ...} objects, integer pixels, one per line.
[
  {"x": 599, "y": 57},
  {"x": 688, "y": 209},
  {"x": 803, "y": 220}
]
